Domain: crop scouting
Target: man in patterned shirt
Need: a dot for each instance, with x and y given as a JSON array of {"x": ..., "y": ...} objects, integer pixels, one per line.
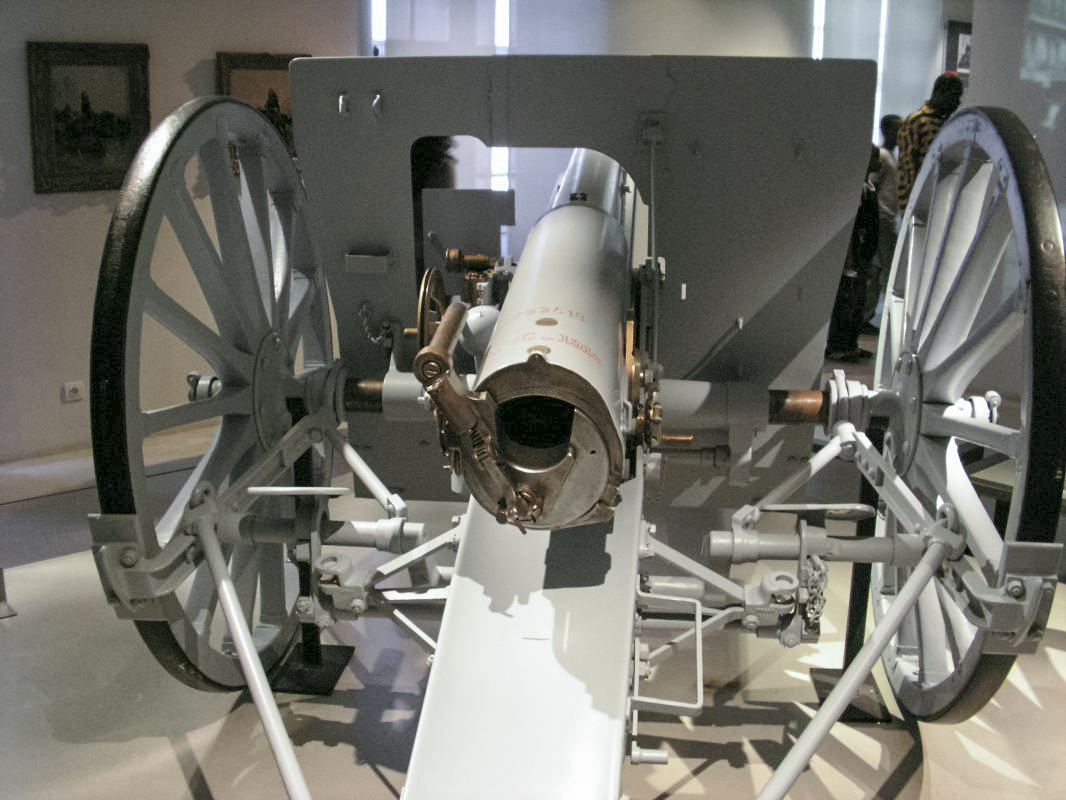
[{"x": 920, "y": 128}]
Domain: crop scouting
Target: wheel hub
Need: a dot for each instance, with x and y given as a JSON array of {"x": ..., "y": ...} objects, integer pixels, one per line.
[
  {"x": 904, "y": 424},
  {"x": 273, "y": 370}
]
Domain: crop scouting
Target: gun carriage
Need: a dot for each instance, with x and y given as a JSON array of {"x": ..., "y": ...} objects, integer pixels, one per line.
[{"x": 628, "y": 406}]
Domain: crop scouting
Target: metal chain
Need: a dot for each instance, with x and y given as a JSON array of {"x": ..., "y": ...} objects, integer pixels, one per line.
[{"x": 817, "y": 578}]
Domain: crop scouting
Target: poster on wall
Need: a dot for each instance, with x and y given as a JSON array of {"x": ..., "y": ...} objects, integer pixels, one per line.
[
  {"x": 958, "y": 49},
  {"x": 262, "y": 81},
  {"x": 88, "y": 113}
]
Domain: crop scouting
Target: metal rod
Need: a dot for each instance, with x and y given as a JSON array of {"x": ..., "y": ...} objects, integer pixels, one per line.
[
  {"x": 859, "y": 594},
  {"x": 841, "y": 696},
  {"x": 794, "y": 482},
  {"x": 392, "y": 504},
  {"x": 731, "y": 589},
  {"x": 258, "y": 686},
  {"x": 409, "y": 624}
]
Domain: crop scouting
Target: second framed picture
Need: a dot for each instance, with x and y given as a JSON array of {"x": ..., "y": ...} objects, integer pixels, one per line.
[{"x": 262, "y": 81}]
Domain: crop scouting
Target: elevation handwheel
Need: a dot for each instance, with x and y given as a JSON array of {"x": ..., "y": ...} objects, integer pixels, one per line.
[
  {"x": 972, "y": 350},
  {"x": 211, "y": 316}
]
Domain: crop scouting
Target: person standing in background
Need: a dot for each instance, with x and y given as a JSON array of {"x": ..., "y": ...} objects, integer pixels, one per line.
[
  {"x": 884, "y": 183},
  {"x": 917, "y": 132}
]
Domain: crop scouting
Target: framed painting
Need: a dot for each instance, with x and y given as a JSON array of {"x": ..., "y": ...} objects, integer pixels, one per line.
[
  {"x": 88, "y": 113},
  {"x": 957, "y": 48},
  {"x": 262, "y": 81}
]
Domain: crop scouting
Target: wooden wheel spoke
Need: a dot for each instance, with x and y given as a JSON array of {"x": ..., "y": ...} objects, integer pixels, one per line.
[
  {"x": 936, "y": 251},
  {"x": 231, "y": 442},
  {"x": 947, "y": 381},
  {"x": 202, "y": 603},
  {"x": 957, "y": 309},
  {"x": 960, "y": 631},
  {"x": 947, "y": 421},
  {"x": 284, "y": 222},
  {"x": 982, "y": 538},
  {"x": 230, "y": 401},
  {"x": 238, "y": 260},
  {"x": 906, "y": 285},
  {"x": 244, "y": 569},
  {"x": 230, "y": 364},
  {"x": 206, "y": 263},
  {"x": 254, "y": 201},
  {"x": 934, "y": 663},
  {"x": 968, "y": 204},
  {"x": 305, "y": 323}
]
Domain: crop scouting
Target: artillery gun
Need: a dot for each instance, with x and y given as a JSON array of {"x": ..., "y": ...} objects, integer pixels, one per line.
[{"x": 628, "y": 406}]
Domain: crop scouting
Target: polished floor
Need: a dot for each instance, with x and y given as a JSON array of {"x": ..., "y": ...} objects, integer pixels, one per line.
[
  {"x": 85, "y": 712},
  {"x": 88, "y": 714}
]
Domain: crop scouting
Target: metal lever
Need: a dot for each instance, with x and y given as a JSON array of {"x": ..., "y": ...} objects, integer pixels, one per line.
[{"x": 255, "y": 675}]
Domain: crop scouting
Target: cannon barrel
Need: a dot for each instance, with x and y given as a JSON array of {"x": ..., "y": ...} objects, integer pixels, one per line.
[
  {"x": 555, "y": 366},
  {"x": 540, "y": 441}
]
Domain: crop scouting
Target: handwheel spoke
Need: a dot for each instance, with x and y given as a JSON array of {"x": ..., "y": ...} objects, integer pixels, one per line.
[{"x": 945, "y": 382}]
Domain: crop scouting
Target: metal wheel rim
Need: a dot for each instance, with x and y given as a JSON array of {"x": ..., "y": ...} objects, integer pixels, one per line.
[
  {"x": 982, "y": 206},
  {"x": 266, "y": 303}
]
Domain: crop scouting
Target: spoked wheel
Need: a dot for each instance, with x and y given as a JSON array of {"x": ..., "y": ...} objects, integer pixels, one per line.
[
  {"x": 208, "y": 270},
  {"x": 972, "y": 349}
]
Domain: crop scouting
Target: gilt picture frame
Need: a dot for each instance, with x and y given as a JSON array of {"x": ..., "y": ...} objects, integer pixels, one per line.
[{"x": 262, "y": 81}]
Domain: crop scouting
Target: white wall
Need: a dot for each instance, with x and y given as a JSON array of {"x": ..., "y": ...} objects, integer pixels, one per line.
[
  {"x": 50, "y": 245},
  {"x": 1000, "y": 39}
]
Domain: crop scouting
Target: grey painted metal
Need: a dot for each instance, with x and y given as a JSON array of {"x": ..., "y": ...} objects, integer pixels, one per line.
[
  {"x": 258, "y": 685},
  {"x": 817, "y": 729},
  {"x": 974, "y": 343},
  {"x": 208, "y": 266},
  {"x": 721, "y": 203},
  {"x": 528, "y": 688}
]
